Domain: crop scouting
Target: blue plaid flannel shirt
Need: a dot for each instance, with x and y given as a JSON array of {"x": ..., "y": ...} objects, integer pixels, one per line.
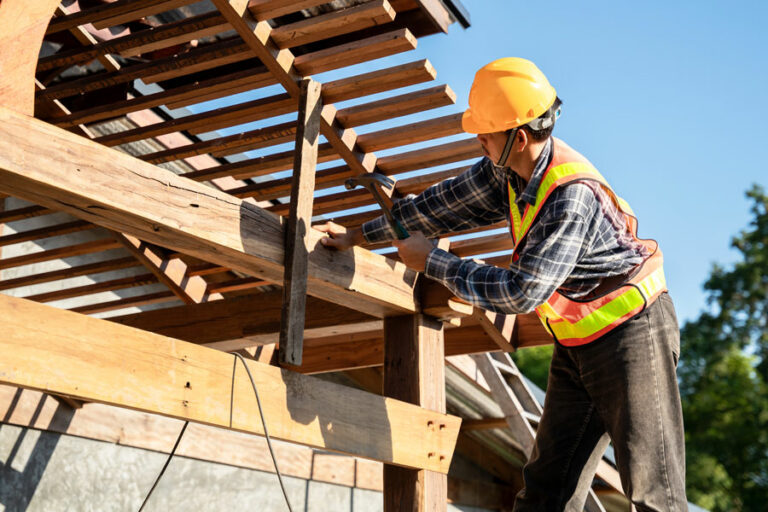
[{"x": 578, "y": 239}]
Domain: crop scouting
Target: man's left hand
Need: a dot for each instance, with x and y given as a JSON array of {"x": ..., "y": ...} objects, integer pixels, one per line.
[{"x": 414, "y": 250}]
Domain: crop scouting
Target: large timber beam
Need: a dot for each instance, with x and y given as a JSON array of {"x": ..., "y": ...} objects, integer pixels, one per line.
[
  {"x": 96, "y": 360},
  {"x": 60, "y": 170}
]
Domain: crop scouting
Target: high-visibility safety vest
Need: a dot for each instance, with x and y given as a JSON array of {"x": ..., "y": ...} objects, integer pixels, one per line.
[{"x": 575, "y": 322}]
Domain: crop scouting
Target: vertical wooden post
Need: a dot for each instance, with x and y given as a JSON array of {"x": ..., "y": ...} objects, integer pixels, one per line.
[
  {"x": 414, "y": 371},
  {"x": 299, "y": 222}
]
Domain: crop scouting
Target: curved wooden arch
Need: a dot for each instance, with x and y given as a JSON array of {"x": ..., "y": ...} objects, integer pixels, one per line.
[{"x": 22, "y": 27}]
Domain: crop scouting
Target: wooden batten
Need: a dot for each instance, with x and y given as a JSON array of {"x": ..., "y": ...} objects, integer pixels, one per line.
[{"x": 96, "y": 360}]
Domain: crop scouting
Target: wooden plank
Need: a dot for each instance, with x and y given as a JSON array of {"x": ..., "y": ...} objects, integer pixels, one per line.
[
  {"x": 414, "y": 371},
  {"x": 243, "y": 283},
  {"x": 86, "y": 39},
  {"x": 160, "y": 207},
  {"x": 217, "y": 119},
  {"x": 412, "y": 133},
  {"x": 137, "y": 43},
  {"x": 223, "y": 324},
  {"x": 100, "y": 361},
  {"x": 99, "y": 422},
  {"x": 335, "y": 23},
  {"x": 299, "y": 224},
  {"x": 59, "y": 253},
  {"x": 430, "y": 157},
  {"x": 22, "y": 26},
  {"x": 26, "y": 212},
  {"x": 500, "y": 328},
  {"x": 133, "y": 9},
  {"x": 437, "y": 13},
  {"x": 355, "y": 52},
  {"x": 268, "y": 9},
  {"x": 198, "y": 59},
  {"x": 263, "y": 108},
  {"x": 286, "y": 69},
  {"x": 396, "y": 106},
  {"x": 172, "y": 272},
  {"x": 89, "y": 289},
  {"x": 128, "y": 302},
  {"x": 221, "y": 146},
  {"x": 213, "y": 88},
  {"x": 378, "y": 81},
  {"x": 484, "y": 424},
  {"x": 366, "y": 349},
  {"x": 46, "y": 232},
  {"x": 66, "y": 273}
]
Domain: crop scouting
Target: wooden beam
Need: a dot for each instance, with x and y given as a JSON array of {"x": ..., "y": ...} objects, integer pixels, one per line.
[
  {"x": 66, "y": 273},
  {"x": 289, "y": 71},
  {"x": 172, "y": 272},
  {"x": 414, "y": 371},
  {"x": 114, "y": 13},
  {"x": 366, "y": 349},
  {"x": 59, "y": 253},
  {"x": 335, "y": 23},
  {"x": 32, "y": 409},
  {"x": 139, "y": 42},
  {"x": 500, "y": 328},
  {"x": 160, "y": 207},
  {"x": 22, "y": 26},
  {"x": 233, "y": 323},
  {"x": 299, "y": 224},
  {"x": 97, "y": 360}
]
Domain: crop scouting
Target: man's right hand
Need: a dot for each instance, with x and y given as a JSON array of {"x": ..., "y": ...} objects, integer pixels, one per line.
[{"x": 340, "y": 237}]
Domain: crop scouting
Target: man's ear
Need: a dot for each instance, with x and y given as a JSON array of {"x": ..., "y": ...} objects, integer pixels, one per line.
[{"x": 521, "y": 140}]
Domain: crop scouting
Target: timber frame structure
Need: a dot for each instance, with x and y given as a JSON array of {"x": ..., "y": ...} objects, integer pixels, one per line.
[{"x": 210, "y": 233}]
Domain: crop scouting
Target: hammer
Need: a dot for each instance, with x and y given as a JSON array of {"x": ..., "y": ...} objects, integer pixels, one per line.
[{"x": 373, "y": 182}]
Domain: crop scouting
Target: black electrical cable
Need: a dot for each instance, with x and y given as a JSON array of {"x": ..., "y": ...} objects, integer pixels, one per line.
[
  {"x": 266, "y": 435},
  {"x": 165, "y": 466}
]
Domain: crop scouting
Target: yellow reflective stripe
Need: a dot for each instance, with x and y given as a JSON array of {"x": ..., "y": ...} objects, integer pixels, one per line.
[
  {"x": 554, "y": 174},
  {"x": 607, "y": 314},
  {"x": 514, "y": 213}
]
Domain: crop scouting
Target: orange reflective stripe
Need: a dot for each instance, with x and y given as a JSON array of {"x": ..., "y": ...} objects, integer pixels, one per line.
[{"x": 575, "y": 322}]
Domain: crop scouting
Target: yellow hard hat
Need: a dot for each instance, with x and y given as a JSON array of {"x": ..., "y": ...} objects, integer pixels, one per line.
[{"x": 507, "y": 93}]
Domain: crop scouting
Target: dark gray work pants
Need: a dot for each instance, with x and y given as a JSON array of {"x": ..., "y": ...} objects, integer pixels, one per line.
[{"x": 623, "y": 387}]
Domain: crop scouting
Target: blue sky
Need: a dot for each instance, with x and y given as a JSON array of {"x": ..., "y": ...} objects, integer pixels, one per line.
[{"x": 667, "y": 99}]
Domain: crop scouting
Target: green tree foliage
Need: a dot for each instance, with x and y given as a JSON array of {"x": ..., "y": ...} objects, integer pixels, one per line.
[
  {"x": 534, "y": 363},
  {"x": 724, "y": 378}
]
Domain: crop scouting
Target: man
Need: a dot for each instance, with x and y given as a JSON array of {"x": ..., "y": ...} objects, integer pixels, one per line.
[{"x": 598, "y": 289}]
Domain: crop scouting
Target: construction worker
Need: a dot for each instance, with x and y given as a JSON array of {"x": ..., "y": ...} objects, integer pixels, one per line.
[{"x": 577, "y": 261}]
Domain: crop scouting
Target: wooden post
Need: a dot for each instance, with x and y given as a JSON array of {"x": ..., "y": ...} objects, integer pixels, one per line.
[
  {"x": 299, "y": 222},
  {"x": 414, "y": 371}
]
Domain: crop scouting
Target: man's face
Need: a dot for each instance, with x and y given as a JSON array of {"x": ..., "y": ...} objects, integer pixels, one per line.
[{"x": 493, "y": 144}]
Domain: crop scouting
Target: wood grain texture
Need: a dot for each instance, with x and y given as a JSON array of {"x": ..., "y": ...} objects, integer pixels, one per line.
[
  {"x": 117, "y": 191},
  {"x": 299, "y": 224},
  {"x": 22, "y": 27},
  {"x": 100, "y": 422},
  {"x": 414, "y": 371},
  {"x": 95, "y": 360}
]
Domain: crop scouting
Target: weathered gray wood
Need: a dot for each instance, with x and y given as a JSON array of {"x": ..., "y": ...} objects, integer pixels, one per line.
[
  {"x": 299, "y": 223},
  {"x": 49, "y": 166}
]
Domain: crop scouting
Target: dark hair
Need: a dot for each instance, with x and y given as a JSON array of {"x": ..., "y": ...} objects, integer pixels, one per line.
[{"x": 544, "y": 134}]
